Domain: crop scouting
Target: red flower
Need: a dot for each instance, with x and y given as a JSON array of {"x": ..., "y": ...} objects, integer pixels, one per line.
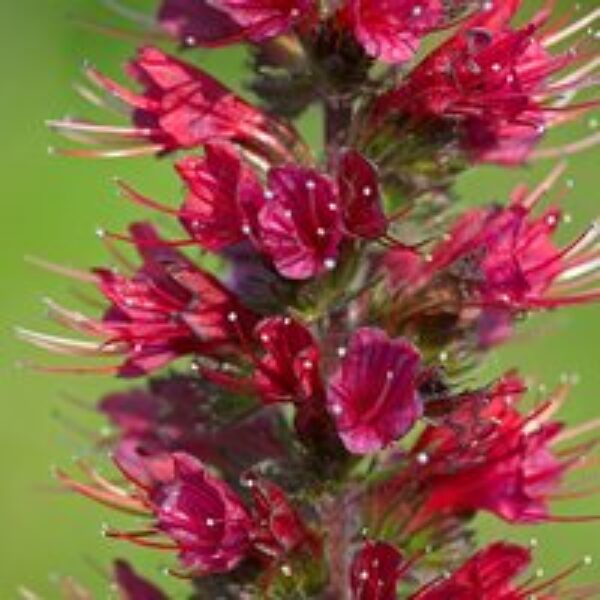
[
  {"x": 375, "y": 572},
  {"x": 488, "y": 574},
  {"x": 488, "y": 83},
  {"x": 133, "y": 587},
  {"x": 224, "y": 196},
  {"x": 507, "y": 258},
  {"x": 180, "y": 107},
  {"x": 278, "y": 528},
  {"x": 373, "y": 394},
  {"x": 391, "y": 30},
  {"x": 289, "y": 369},
  {"x": 203, "y": 516},
  {"x": 168, "y": 309},
  {"x": 360, "y": 196},
  {"x": 299, "y": 225},
  {"x": 193, "y": 512},
  {"x": 306, "y": 216},
  {"x": 489, "y": 458}
]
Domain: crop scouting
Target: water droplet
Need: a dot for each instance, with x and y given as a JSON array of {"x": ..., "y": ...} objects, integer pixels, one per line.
[{"x": 423, "y": 458}]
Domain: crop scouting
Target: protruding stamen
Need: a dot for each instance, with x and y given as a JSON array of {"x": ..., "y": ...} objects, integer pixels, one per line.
[
  {"x": 567, "y": 32},
  {"x": 568, "y": 149}
]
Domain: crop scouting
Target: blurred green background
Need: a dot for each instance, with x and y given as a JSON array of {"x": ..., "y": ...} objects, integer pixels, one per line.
[{"x": 51, "y": 209}]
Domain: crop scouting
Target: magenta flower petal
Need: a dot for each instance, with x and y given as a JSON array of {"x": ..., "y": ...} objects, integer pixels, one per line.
[
  {"x": 221, "y": 188},
  {"x": 375, "y": 571},
  {"x": 289, "y": 370},
  {"x": 373, "y": 395},
  {"x": 204, "y": 516},
  {"x": 491, "y": 83},
  {"x": 488, "y": 574},
  {"x": 391, "y": 30},
  {"x": 360, "y": 196},
  {"x": 300, "y": 227}
]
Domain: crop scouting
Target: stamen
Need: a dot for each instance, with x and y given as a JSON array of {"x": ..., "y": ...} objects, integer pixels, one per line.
[
  {"x": 64, "y": 126},
  {"x": 573, "y": 432},
  {"x": 129, "y": 13},
  {"x": 125, "y": 504},
  {"x": 568, "y": 149},
  {"x": 130, "y": 152},
  {"x": 67, "y": 346},
  {"x": 545, "y": 186},
  {"x": 138, "y": 198},
  {"x": 63, "y": 270},
  {"x": 561, "y": 36}
]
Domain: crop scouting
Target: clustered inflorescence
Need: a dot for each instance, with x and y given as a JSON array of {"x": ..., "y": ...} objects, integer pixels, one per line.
[{"x": 309, "y": 427}]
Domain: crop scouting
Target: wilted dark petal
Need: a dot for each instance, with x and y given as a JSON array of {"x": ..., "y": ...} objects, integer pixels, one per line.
[{"x": 197, "y": 22}]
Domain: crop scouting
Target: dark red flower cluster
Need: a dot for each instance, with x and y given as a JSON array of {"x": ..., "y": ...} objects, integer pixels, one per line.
[
  {"x": 488, "y": 94},
  {"x": 490, "y": 573},
  {"x": 327, "y": 306},
  {"x": 390, "y": 31},
  {"x": 201, "y": 516}
]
